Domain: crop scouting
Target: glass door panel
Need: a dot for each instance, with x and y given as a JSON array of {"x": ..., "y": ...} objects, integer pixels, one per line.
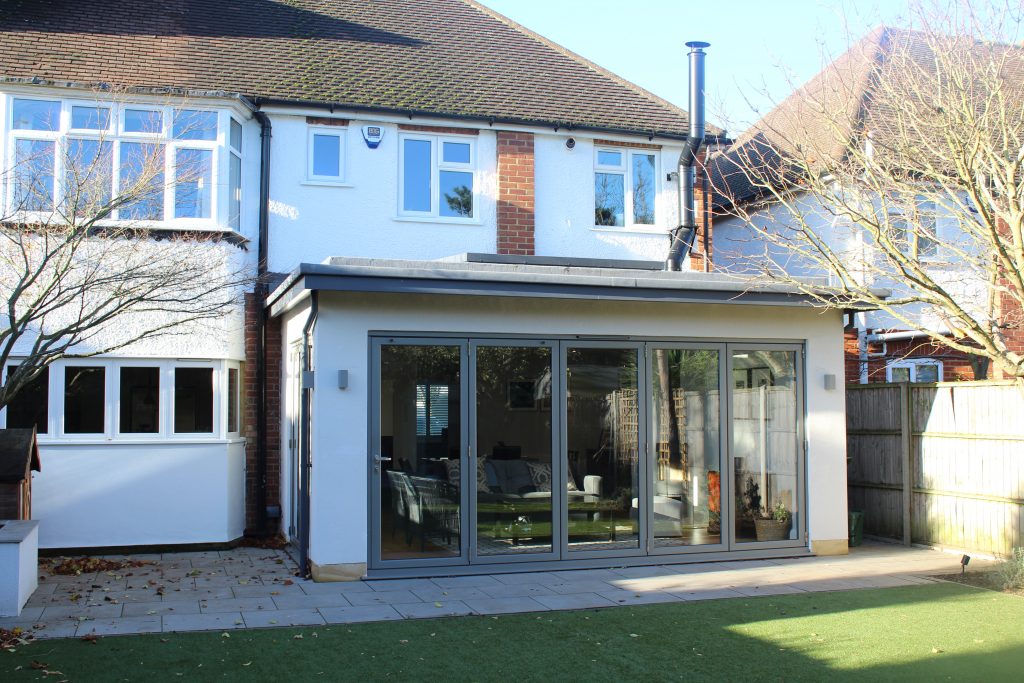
[
  {"x": 513, "y": 479},
  {"x": 602, "y": 448},
  {"x": 420, "y": 451},
  {"x": 765, "y": 445},
  {"x": 685, "y": 454}
]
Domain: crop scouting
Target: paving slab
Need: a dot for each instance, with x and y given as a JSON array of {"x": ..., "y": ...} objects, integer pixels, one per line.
[
  {"x": 335, "y": 587},
  {"x": 352, "y": 615},
  {"x": 507, "y": 605},
  {"x": 621, "y": 597},
  {"x": 427, "y": 610},
  {"x": 142, "y": 609},
  {"x": 120, "y": 626},
  {"x": 74, "y": 611},
  {"x": 708, "y": 594},
  {"x": 581, "y": 586},
  {"x": 574, "y": 601},
  {"x": 283, "y": 617},
  {"x": 221, "y": 621},
  {"x": 517, "y": 590},
  {"x": 304, "y": 601},
  {"x": 461, "y": 593},
  {"x": 383, "y": 598},
  {"x": 236, "y": 605}
]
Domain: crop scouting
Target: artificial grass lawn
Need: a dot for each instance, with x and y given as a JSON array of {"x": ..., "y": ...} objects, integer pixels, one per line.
[{"x": 930, "y": 632}]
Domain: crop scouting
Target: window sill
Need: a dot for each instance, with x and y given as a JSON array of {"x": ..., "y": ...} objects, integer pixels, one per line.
[
  {"x": 636, "y": 230},
  {"x": 437, "y": 220},
  {"x": 325, "y": 183},
  {"x": 158, "y": 441}
]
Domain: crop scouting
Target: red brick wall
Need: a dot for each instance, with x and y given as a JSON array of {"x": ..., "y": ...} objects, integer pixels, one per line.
[
  {"x": 702, "y": 256},
  {"x": 273, "y": 412},
  {"x": 515, "y": 193},
  {"x": 956, "y": 365}
]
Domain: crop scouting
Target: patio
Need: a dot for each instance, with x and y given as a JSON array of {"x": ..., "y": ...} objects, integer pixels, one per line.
[{"x": 255, "y": 588}]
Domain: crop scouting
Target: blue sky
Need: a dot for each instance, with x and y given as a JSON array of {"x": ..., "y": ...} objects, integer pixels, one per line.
[{"x": 759, "y": 49}]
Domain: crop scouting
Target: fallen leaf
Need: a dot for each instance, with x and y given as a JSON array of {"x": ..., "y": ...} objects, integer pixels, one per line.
[
  {"x": 287, "y": 582},
  {"x": 437, "y": 604},
  {"x": 297, "y": 636},
  {"x": 90, "y": 638},
  {"x": 634, "y": 635},
  {"x": 937, "y": 651},
  {"x": 38, "y": 665},
  {"x": 223, "y": 635},
  {"x": 246, "y": 663}
]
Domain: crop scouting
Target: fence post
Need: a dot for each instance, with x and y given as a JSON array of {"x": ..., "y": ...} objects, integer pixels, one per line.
[{"x": 906, "y": 445}]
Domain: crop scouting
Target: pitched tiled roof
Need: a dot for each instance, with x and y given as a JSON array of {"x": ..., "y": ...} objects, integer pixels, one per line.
[
  {"x": 443, "y": 57},
  {"x": 819, "y": 122}
]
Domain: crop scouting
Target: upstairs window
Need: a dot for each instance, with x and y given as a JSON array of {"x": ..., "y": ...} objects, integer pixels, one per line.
[
  {"x": 625, "y": 187},
  {"x": 130, "y": 162},
  {"x": 912, "y": 227},
  {"x": 326, "y": 154},
  {"x": 437, "y": 176}
]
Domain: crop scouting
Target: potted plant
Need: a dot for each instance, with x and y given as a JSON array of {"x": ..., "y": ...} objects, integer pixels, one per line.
[
  {"x": 748, "y": 506},
  {"x": 773, "y": 524}
]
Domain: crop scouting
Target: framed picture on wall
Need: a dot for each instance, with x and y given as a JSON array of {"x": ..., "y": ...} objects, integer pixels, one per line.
[{"x": 521, "y": 394}]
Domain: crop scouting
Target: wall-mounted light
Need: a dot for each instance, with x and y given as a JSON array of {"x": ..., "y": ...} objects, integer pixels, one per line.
[
  {"x": 343, "y": 379},
  {"x": 830, "y": 382},
  {"x": 570, "y": 143}
]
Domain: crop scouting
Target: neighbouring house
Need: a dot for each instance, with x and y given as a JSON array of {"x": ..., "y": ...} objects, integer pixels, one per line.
[
  {"x": 846, "y": 114},
  {"x": 464, "y": 351}
]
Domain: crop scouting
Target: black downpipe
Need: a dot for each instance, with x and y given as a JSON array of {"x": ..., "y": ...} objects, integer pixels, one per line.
[
  {"x": 261, "y": 325},
  {"x": 305, "y": 456},
  {"x": 683, "y": 236}
]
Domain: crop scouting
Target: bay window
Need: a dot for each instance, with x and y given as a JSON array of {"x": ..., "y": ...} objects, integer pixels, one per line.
[
  {"x": 130, "y": 400},
  {"x": 437, "y": 176},
  {"x": 625, "y": 187},
  {"x": 128, "y": 162}
]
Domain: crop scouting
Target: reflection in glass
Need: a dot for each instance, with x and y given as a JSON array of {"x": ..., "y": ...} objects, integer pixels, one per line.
[
  {"x": 455, "y": 152},
  {"x": 35, "y": 115},
  {"x": 602, "y": 438},
  {"x": 143, "y": 121},
  {"x": 765, "y": 444},
  {"x": 193, "y": 183},
  {"x": 513, "y": 473},
  {"x": 193, "y": 400},
  {"x": 90, "y": 118},
  {"x": 84, "y": 400},
  {"x": 33, "y": 175},
  {"x": 643, "y": 189},
  {"x": 686, "y": 459},
  {"x": 421, "y": 462},
  {"x": 456, "y": 194},
  {"x": 326, "y": 155},
  {"x": 190, "y": 124},
  {"x": 140, "y": 400},
  {"x": 416, "y": 175},
  {"x": 30, "y": 406},
  {"x": 142, "y": 181},
  {"x": 606, "y": 158},
  {"x": 89, "y": 175},
  {"x": 609, "y": 199}
]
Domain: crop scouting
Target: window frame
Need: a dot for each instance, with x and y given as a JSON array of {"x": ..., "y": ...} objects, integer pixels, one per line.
[
  {"x": 625, "y": 169},
  {"x": 437, "y": 165},
  {"x": 898, "y": 213},
  {"x": 115, "y": 133},
  {"x": 339, "y": 132},
  {"x": 112, "y": 433},
  {"x": 912, "y": 364}
]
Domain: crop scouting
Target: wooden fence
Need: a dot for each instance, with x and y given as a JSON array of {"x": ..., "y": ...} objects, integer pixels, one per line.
[{"x": 941, "y": 464}]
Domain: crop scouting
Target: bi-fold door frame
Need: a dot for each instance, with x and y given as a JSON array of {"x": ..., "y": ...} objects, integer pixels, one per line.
[{"x": 560, "y": 551}]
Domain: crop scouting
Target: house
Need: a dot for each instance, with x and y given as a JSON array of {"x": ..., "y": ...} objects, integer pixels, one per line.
[
  {"x": 463, "y": 351},
  {"x": 851, "y": 158}
]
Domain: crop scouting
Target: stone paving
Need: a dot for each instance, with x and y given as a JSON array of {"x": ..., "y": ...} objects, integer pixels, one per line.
[{"x": 255, "y": 588}]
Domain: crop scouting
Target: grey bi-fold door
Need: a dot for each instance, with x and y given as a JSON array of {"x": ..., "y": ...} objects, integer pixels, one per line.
[{"x": 512, "y": 450}]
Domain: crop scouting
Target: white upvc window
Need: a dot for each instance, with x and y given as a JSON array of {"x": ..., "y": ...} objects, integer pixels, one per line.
[
  {"x": 625, "y": 187},
  {"x": 76, "y": 155},
  {"x": 234, "y": 174},
  {"x": 130, "y": 400},
  {"x": 914, "y": 370},
  {"x": 913, "y": 227},
  {"x": 326, "y": 154},
  {"x": 437, "y": 176}
]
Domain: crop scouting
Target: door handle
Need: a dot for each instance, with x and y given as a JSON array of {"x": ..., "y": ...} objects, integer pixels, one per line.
[{"x": 377, "y": 460}]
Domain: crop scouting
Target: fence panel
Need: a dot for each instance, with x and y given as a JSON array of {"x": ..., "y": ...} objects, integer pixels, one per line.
[{"x": 941, "y": 464}]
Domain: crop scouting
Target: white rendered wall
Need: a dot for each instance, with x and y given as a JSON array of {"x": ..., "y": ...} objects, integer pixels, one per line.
[
  {"x": 111, "y": 494},
  {"x": 564, "y": 197},
  {"x": 340, "y": 423}
]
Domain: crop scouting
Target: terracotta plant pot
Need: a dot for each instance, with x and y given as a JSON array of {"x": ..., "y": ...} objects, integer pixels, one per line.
[{"x": 771, "y": 529}]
